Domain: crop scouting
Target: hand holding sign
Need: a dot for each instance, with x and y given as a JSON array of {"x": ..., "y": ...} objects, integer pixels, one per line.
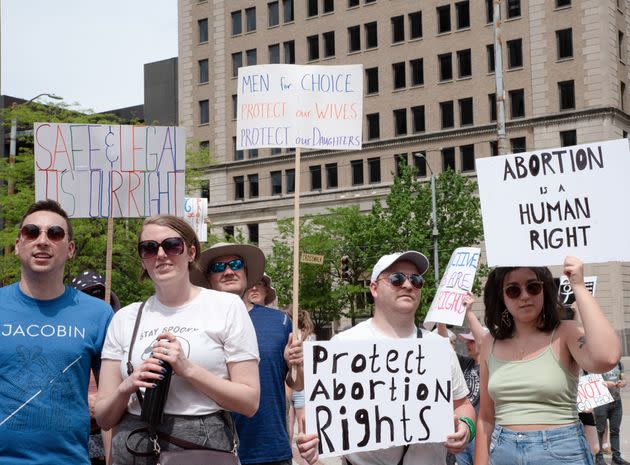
[{"x": 574, "y": 271}]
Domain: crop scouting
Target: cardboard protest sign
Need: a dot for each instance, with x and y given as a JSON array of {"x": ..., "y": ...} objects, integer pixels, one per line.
[
  {"x": 315, "y": 107},
  {"x": 592, "y": 392},
  {"x": 539, "y": 207},
  {"x": 100, "y": 170},
  {"x": 447, "y": 306},
  {"x": 565, "y": 292},
  {"x": 195, "y": 214},
  {"x": 367, "y": 395}
]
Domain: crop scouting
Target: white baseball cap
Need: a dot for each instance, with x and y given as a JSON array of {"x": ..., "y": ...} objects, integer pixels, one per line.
[{"x": 386, "y": 261}]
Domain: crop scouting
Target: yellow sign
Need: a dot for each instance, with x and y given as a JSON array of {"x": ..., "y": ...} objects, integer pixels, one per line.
[{"x": 312, "y": 258}]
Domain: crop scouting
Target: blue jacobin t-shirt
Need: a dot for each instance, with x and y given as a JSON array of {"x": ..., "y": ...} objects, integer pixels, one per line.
[
  {"x": 264, "y": 437},
  {"x": 47, "y": 348}
]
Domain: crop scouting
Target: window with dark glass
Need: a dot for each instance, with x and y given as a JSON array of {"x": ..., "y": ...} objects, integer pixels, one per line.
[
  {"x": 446, "y": 113},
  {"x": 203, "y": 30},
  {"x": 374, "y": 169},
  {"x": 371, "y": 77},
  {"x": 400, "y": 159},
  {"x": 398, "y": 29},
  {"x": 252, "y": 229},
  {"x": 290, "y": 174},
  {"x": 448, "y": 158},
  {"x": 568, "y": 138},
  {"x": 417, "y": 72},
  {"x": 276, "y": 182},
  {"x": 467, "y": 156},
  {"x": 371, "y": 35},
  {"x": 464, "y": 63},
  {"x": 400, "y": 122},
  {"x": 237, "y": 62},
  {"x": 515, "y": 53},
  {"x": 252, "y": 57},
  {"x": 564, "y": 43},
  {"x": 357, "y": 172},
  {"x": 329, "y": 6},
  {"x": 228, "y": 232},
  {"x": 238, "y": 154},
  {"x": 352, "y": 3},
  {"x": 329, "y": 43},
  {"x": 354, "y": 39},
  {"x": 561, "y": 3},
  {"x": 313, "y": 47},
  {"x": 513, "y": 8},
  {"x": 250, "y": 19},
  {"x": 466, "y": 111},
  {"x": 204, "y": 112},
  {"x": 252, "y": 180},
  {"x": 239, "y": 187},
  {"x": 368, "y": 1},
  {"x": 517, "y": 103},
  {"x": 332, "y": 180},
  {"x": 252, "y": 153},
  {"x": 492, "y": 105},
  {"x": 237, "y": 22},
  {"x": 462, "y": 10},
  {"x": 494, "y": 148},
  {"x": 566, "y": 91},
  {"x": 620, "y": 44},
  {"x": 311, "y": 9},
  {"x": 446, "y": 66},
  {"x": 373, "y": 123},
  {"x": 444, "y": 18},
  {"x": 316, "y": 177},
  {"x": 489, "y": 11},
  {"x": 398, "y": 70},
  {"x": 420, "y": 163},
  {"x": 289, "y": 52},
  {"x": 417, "y": 113},
  {"x": 275, "y": 151},
  {"x": 274, "y": 53},
  {"x": 205, "y": 189},
  {"x": 273, "y": 14},
  {"x": 203, "y": 71},
  {"x": 287, "y": 10},
  {"x": 415, "y": 25},
  {"x": 622, "y": 95},
  {"x": 517, "y": 145},
  {"x": 490, "y": 57}
]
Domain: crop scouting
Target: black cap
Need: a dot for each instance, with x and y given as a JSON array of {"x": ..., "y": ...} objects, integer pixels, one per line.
[{"x": 93, "y": 283}]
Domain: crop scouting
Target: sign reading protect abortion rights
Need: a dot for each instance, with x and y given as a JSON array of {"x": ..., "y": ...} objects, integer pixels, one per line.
[
  {"x": 315, "y": 107},
  {"x": 99, "y": 170},
  {"x": 538, "y": 207}
]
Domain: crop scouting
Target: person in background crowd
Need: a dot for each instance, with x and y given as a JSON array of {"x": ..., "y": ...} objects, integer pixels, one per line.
[
  {"x": 234, "y": 268},
  {"x": 52, "y": 337},
  {"x": 205, "y": 336},
  {"x": 530, "y": 367},
  {"x": 262, "y": 293}
]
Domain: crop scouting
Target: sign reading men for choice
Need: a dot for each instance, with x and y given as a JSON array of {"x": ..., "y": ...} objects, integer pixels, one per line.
[
  {"x": 315, "y": 107},
  {"x": 195, "y": 214},
  {"x": 448, "y": 306},
  {"x": 539, "y": 207},
  {"x": 98, "y": 170},
  {"x": 592, "y": 392},
  {"x": 367, "y": 395}
]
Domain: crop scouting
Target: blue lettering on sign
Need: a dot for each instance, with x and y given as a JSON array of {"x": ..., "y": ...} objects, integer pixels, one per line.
[
  {"x": 255, "y": 83},
  {"x": 327, "y": 83}
]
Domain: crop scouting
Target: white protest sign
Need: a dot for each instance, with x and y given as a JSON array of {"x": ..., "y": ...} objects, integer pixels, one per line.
[
  {"x": 539, "y": 207},
  {"x": 447, "y": 306},
  {"x": 95, "y": 169},
  {"x": 592, "y": 392},
  {"x": 367, "y": 395},
  {"x": 315, "y": 107},
  {"x": 195, "y": 214},
  {"x": 565, "y": 292}
]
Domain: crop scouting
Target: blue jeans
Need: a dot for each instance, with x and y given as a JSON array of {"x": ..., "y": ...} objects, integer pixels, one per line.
[
  {"x": 466, "y": 456},
  {"x": 613, "y": 412},
  {"x": 566, "y": 445}
]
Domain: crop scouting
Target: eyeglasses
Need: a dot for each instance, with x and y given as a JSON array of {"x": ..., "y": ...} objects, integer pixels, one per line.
[
  {"x": 32, "y": 232},
  {"x": 171, "y": 246},
  {"x": 398, "y": 278},
  {"x": 219, "y": 267},
  {"x": 514, "y": 291}
]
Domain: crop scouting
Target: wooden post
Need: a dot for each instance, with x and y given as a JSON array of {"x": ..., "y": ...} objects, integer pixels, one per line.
[{"x": 296, "y": 243}]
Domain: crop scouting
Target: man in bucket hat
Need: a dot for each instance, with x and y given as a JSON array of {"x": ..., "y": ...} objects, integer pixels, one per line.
[{"x": 235, "y": 268}]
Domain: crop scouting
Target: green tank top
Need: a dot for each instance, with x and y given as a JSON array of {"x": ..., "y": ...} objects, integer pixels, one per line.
[{"x": 534, "y": 391}]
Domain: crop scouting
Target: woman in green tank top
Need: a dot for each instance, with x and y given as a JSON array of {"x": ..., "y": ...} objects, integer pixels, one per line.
[{"x": 530, "y": 365}]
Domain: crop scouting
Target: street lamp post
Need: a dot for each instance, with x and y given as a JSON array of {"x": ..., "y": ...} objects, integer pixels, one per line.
[{"x": 434, "y": 232}]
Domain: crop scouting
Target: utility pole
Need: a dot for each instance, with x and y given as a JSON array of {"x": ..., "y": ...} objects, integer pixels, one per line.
[{"x": 498, "y": 75}]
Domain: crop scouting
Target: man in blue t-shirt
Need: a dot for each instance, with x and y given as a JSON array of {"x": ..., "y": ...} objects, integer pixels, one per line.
[
  {"x": 263, "y": 438},
  {"x": 50, "y": 337}
]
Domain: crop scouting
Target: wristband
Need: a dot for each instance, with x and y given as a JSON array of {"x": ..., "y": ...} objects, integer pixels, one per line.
[{"x": 471, "y": 427}]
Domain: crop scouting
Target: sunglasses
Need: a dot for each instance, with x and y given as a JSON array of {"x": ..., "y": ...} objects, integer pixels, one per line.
[
  {"x": 219, "y": 267},
  {"x": 171, "y": 246},
  {"x": 32, "y": 232},
  {"x": 514, "y": 291},
  {"x": 398, "y": 279}
]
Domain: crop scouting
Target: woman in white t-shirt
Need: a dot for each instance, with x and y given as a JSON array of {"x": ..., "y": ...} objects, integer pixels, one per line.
[{"x": 206, "y": 336}]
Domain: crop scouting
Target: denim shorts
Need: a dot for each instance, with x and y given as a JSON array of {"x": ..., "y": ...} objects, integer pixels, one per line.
[
  {"x": 566, "y": 445},
  {"x": 297, "y": 397}
]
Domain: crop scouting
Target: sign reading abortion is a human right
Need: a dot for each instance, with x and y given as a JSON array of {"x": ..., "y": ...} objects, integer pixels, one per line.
[
  {"x": 538, "y": 207},
  {"x": 367, "y": 395}
]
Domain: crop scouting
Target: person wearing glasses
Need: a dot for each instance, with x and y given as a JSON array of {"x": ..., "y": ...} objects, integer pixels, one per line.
[
  {"x": 50, "y": 338},
  {"x": 530, "y": 366},
  {"x": 234, "y": 268},
  {"x": 206, "y": 336},
  {"x": 396, "y": 284}
]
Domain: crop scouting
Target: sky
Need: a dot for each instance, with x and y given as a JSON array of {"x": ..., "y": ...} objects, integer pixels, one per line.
[{"x": 90, "y": 52}]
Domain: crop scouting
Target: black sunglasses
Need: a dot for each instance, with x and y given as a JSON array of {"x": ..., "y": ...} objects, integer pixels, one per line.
[
  {"x": 219, "y": 267},
  {"x": 398, "y": 278},
  {"x": 170, "y": 245},
  {"x": 32, "y": 232},
  {"x": 514, "y": 291}
]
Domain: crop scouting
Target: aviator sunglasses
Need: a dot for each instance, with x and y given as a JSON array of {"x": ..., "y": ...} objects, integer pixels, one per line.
[
  {"x": 170, "y": 245},
  {"x": 219, "y": 267},
  {"x": 398, "y": 278},
  {"x": 514, "y": 291},
  {"x": 32, "y": 232}
]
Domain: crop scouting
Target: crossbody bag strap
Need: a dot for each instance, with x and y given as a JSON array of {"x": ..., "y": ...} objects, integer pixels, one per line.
[{"x": 133, "y": 340}]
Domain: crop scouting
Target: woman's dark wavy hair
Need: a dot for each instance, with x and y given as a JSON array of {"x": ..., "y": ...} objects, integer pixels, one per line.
[{"x": 495, "y": 305}]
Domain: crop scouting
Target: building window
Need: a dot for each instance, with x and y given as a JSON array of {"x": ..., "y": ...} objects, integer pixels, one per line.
[
  {"x": 489, "y": 11},
  {"x": 515, "y": 53},
  {"x": 373, "y": 126},
  {"x": 371, "y": 76},
  {"x": 329, "y": 6},
  {"x": 490, "y": 56},
  {"x": 228, "y": 233},
  {"x": 466, "y": 111},
  {"x": 274, "y": 53},
  {"x": 464, "y": 63},
  {"x": 276, "y": 182},
  {"x": 620, "y": 43},
  {"x": 622, "y": 95},
  {"x": 371, "y": 35},
  {"x": 568, "y": 138},
  {"x": 275, "y": 151},
  {"x": 237, "y": 23},
  {"x": 513, "y": 8},
  {"x": 289, "y": 52},
  {"x": 494, "y": 148},
  {"x": 357, "y": 172},
  {"x": 400, "y": 159},
  {"x": 250, "y": 19},
  {"x": 564, "y": 43},
  {"x": 312, "y": 8},
  {"x": 492, "y": 104},
  {"x": 354, "y": 39},
  {"x": 205, "y": 189},
  {"x": 329, "y": 43},
  {"x": 239, "y": 187},
  {"x": 332, "y": 180},
  {"x": 467, "y": 154},
  {"x": 273, "y": 14},
  {"x": 517, "y": 103},
  {"x": 252, "y": 180},
  {"x": 446, "y": 66},
  {"x": 446, "y": 112},
  {"x": 316, "y": 177},
  {"x": 353, "y": 3},
  {"x": 444, "y": 18},
  {"x": 374, "y": 170},
  {"x": 313, "y": 47},
  {"x": 252, "y": 57},
  {"x": 417, "y": 113},
  {"x": 287, "y": 11},
  {"x": 417, "y": 72},
  {"x": 398, "y": 29},
  {"x": 204, "y": 111},
  {"x": 415, "y": 25},
  {"x": 290, "y": 174},
  {"x": 238, "y": 154},
  {"x": 448, "y": 158},
  {"x": 400, "y": 122},
  {"x": 462, "y": 10},
  {"x": 562, "y": 3},
  {"x": 420, "y": 163},
  {"x": 252, "y": 229},
  {"x": 566, "y": 92},
  {"x": 203, "y": 71},
  {"x": 252, "y": 153},
  {"x": 237, "y": 62},
  {"x": 203, "y": 30},
  {"x": 518, "y": 145},
  {"x": 400, "y": 80}
]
